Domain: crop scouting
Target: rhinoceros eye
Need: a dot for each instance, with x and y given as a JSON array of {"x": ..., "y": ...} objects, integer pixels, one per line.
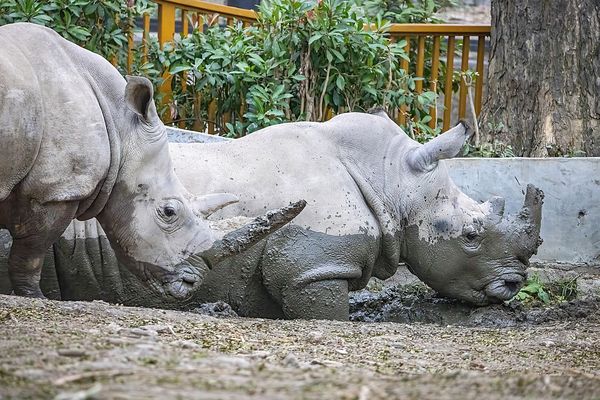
[
  {"x": 169, "y": 211},
  {"x": 471, "y": 236},
  {"x": 470, "y": 233}
]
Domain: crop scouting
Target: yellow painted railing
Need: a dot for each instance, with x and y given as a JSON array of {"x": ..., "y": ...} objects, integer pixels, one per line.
[{"x": 441, "y": 42}]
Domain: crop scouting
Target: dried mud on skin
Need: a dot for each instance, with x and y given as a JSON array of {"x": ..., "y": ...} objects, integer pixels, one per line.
[{"x": 71, "y": 350}]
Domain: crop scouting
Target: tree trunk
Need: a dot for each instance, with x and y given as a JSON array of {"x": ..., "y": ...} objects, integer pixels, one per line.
[{"x": 543, "y": 96}]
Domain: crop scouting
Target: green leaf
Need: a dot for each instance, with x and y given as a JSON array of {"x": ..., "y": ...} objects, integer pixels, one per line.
[{"x": 315, "y": 37}]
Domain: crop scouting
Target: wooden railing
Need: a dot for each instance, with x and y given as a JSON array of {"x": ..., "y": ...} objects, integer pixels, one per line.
[
  {"x": 444, "y": 42},
  {"x": 433, "y": 35}
]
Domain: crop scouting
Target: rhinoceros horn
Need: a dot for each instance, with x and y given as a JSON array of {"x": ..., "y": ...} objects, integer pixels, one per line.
[
  {"x": 241, "y": 239},
  {"x": 530, "y": 217}
]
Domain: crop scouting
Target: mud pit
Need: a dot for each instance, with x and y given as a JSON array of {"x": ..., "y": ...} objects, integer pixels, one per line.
[{"x": 81, "y": 350}]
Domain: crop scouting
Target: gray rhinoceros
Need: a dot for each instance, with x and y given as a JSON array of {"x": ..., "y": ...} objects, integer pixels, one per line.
[
  {"x": 375, "y": 198},
  {"x": 78, "y": 141}
]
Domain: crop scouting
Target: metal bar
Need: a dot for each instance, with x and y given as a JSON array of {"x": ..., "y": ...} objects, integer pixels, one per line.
[
  {"x": 212, "y": 117},
  {"x": 405, "y": 63},
  {"x": 435, "y": 68},
  {"x": 420, "y": 63},
  {"x": 146, "y": 36},
  {"x": 480, "y": 77},
  {"x": 166, "y": 33},
  {"x": 462, "y": 98},
  {"x": 166, "y": 22},
  {"x": 448, "y": 83},
  {"x": 129, "y": 51}
]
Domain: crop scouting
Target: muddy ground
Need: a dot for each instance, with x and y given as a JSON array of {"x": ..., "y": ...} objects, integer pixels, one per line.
[{"x": 77, "y": 350}]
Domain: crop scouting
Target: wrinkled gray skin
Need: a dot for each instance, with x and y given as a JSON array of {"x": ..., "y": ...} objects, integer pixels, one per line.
[
  {"x": 375, "y": 198},
  {"x": 78, "y": 141}
]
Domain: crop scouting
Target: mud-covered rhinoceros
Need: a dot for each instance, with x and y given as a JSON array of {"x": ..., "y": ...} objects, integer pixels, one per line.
[
  {"x": 375, "y": 198},
  {"x": 78, "y": 141}
]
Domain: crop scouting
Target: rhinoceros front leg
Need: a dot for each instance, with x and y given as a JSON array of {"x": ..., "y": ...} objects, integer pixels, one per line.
[
  {"x": 317, "y": 300},
  {"x": 31, "y": 239}
]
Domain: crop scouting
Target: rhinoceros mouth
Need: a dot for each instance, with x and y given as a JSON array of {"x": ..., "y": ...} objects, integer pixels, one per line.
[
  {"x": 504, "y": 287},
  {"x": 178, "y": 282},
  {"x": 182, "y": 283}
]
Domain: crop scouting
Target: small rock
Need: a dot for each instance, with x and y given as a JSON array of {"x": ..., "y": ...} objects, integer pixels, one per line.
[
  {"x": 291, "y": 361},
  {"x": 138, "y": 332},
  {"x": 72, "y": 353},
  {"x": 315, "y": 337},
  {"x": 260, "y": 354},
  {"x": 158, "y": 328},
  {"x": 90, "y": 393},
  {"x": 186, "y": 344},
  {"x": 219, "y": 309}
]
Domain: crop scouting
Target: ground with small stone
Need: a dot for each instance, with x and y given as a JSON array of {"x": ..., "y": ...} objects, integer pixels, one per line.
[{"x": 78, "y": 350}]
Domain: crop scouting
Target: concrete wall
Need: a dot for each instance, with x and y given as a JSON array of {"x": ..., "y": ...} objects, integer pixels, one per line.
[{"x": 571, "y": 212}]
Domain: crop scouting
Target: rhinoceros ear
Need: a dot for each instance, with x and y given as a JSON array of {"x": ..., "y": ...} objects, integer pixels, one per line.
[
  {"x": 139, "y": 97},
  {"x": 496, "y": 209},
  {"x": 447, "y": 145},
  {"x": 210, "y": 203}
]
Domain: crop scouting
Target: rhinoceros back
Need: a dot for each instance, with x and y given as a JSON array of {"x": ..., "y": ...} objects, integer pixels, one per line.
[{"x": 52, "y": 129}]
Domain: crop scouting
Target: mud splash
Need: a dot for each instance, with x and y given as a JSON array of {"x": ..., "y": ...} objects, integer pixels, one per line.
[{"x": 418, "y": 304}]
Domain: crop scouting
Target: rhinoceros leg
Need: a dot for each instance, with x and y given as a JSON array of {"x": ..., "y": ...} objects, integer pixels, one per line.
[
  {"x": 317, "y": 300},
  {"x": 309, "y": 273},
  {"x": 31, "y": 239}
]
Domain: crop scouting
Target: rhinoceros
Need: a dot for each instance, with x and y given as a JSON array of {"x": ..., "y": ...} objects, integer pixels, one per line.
[
  {"x": 375, "y": 198},
  {"x": 79, "y": 141}
]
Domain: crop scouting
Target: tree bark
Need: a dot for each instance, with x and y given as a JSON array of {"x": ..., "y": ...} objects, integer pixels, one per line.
[{"x": 543, "y": 93}]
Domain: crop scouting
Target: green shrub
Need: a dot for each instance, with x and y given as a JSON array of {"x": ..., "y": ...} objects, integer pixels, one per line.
[
  {"x": 298, "y": 61},
  {"x": 99, "y": 26}
]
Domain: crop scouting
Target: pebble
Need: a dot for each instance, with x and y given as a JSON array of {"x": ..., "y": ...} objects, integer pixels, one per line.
[
  {"x": 291, "y": 361},
  {"x": 72, "y": 352},
  {"x": 315, "y": 337},
  {"x": 186, "y": 344},
  {"x": 158, "y": 328},
  {"x": 137, "y": 332}
]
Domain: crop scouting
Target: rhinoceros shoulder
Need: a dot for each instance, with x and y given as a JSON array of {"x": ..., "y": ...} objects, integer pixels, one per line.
[{"x": 51, "y": 123}]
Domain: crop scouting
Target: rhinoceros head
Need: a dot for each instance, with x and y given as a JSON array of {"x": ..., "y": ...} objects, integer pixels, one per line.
[
  {"x": 155, "y": 226},
  {"x": 465, "y": 249}
]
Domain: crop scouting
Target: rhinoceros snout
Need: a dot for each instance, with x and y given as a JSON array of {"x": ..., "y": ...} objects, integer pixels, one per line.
[
  {"x": 182, "y": 282},
  {"x": 505, "y": 287}
]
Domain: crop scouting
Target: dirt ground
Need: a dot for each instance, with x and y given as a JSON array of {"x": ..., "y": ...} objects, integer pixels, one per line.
[{"x": 79, "y": 350}]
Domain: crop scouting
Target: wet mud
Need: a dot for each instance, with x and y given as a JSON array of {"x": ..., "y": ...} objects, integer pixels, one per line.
[{"x": 418, "y": 304}]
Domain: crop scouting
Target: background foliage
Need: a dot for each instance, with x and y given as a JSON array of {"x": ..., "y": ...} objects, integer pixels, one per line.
[
  {"x": 100, "y": 26},
  {"x": 301, "y": 61}
]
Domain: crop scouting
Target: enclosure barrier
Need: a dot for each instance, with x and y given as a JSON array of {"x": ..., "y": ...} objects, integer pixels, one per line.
[{"x": 426, "y": 37}]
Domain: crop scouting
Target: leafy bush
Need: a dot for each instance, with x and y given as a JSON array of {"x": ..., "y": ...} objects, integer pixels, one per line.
[
  {"x": 403, "y": 11},
  {"x": 299, "y": 61},
  {"x": 99, "y": 26},
  {"x": 302, "y": 60},
  {"x": 553, "y": 292}
]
